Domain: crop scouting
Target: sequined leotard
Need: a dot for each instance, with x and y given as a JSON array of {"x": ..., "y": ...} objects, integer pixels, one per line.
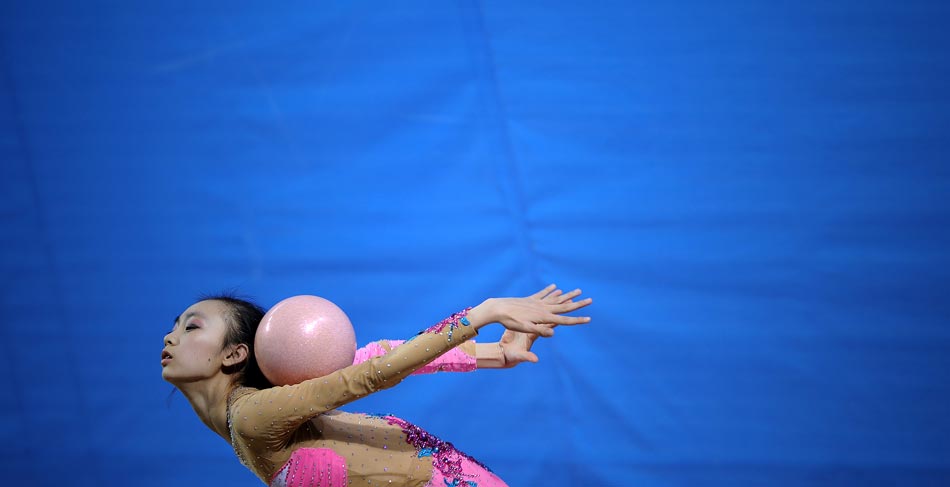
[{"x": 293, "y": 436}]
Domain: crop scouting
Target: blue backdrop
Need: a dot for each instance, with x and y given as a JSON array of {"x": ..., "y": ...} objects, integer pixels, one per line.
[{"x": 754, "y": 193}]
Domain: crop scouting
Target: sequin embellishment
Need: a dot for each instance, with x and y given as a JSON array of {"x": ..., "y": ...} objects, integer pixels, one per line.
[
  {"x": 452, "y": 322},
  {"x": 445, "y": 457}
]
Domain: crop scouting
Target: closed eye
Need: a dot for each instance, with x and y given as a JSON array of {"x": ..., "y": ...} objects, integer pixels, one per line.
[{"x": 190, "y": 327}]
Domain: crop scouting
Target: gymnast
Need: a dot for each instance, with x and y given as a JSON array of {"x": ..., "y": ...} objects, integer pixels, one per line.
[{"x": 295, "y": 436}]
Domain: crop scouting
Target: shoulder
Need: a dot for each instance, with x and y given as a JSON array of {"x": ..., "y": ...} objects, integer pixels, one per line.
[
  {"x": 240, "y": 394},
  {"x": 244, "y": 404}
]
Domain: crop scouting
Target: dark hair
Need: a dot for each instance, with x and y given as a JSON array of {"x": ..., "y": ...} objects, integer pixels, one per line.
[{"x": 243, "y": 319}]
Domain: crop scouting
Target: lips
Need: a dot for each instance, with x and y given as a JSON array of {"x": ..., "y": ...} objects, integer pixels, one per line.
[{"x": 166, "y": 355}]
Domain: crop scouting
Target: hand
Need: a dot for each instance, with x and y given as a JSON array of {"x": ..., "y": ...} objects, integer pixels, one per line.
[
  {"x": 516, "y": 345},
  {"x": 539, "y": 313}
]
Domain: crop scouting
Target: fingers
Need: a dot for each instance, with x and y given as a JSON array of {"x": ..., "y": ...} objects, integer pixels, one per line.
[
  {"x": 551, "y": 294},
  {"x": 569, "y": 306},
  {"x": 516, "y": 358},
  {"x": 540, "y": 294},
  {"x": 571, "y": 320},
  {"x": 543, "y": 330},
  {"x": 531, "y": 337},
  {"x": 526, "y": 357},
  {"x": 564, "y": 303},
  {"x": 558, "y": 297},
  {"x": 555, "y": 303},
  {"x": 553, "y": 297},
  {"x": 569, "y": 296}
]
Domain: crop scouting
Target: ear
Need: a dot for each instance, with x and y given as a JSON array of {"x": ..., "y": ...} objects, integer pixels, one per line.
[{"x": 236, "y": 354}]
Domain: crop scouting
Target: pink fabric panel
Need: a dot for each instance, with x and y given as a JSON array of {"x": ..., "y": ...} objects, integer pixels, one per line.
[
  {"x": 312, "y": 467},
  {"x": 454, "y": 360}
]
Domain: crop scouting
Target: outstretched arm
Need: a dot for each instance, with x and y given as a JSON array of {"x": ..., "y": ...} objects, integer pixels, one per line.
[
  {"x": 513, "y": 348},
  {"x": 277, "y": 412}
]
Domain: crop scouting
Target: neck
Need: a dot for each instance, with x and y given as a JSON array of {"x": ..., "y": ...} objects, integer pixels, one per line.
[{"x": 209, "y": 399}]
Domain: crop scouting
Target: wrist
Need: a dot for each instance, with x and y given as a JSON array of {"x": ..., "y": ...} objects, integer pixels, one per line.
[
  {"x": 483, "y": 314},
  {"x": 489, "y": 356}
]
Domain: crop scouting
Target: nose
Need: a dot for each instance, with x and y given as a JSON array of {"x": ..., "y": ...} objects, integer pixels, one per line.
[{"x": 169, "y": 339}]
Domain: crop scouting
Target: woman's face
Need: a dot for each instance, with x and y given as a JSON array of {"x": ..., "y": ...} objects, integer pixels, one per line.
[{"x": 193, "y": 349}]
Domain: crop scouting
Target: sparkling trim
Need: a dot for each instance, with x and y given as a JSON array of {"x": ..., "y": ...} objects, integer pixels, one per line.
[
  {"x": 452, "y": 322},
  {"x": 445, "y": 457}
]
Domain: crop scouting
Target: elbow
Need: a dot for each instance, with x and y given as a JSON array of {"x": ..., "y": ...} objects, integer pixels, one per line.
[{"x": 369, "y": 382}]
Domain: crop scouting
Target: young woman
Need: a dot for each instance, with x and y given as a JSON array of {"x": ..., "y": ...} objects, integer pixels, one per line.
[{"x": 294, "y": 436}]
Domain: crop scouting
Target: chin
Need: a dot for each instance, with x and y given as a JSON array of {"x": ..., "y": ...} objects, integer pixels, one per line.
[{"x": 168, "y": 378}]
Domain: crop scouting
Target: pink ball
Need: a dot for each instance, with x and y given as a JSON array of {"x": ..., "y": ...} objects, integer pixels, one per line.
[{"x": 303, "y": 337}]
